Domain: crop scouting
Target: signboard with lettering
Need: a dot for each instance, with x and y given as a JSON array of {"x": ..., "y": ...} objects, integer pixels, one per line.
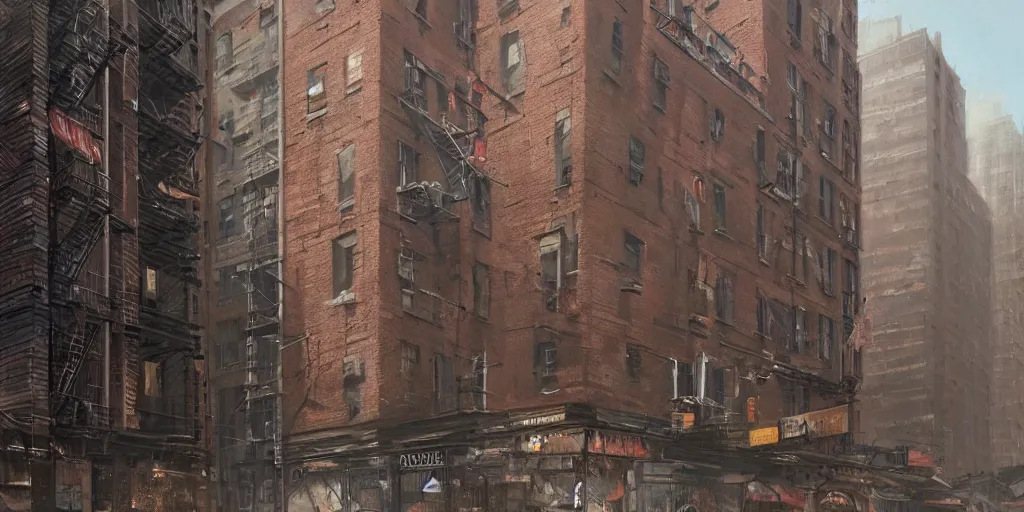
[
  {"x": 541, "y": 420},
  {"x": 824, "y": 423},
  {"x": 617, "y": 446},
  {"x": 421, "y": 460},
  {"x": 763, "y": 436},
  {"x": 751, "y": 410}
]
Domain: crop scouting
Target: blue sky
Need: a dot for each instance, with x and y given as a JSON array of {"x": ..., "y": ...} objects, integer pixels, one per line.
[{"x": 982, "y": 39}]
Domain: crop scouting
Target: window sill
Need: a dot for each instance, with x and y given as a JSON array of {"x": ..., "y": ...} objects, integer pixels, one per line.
[
  {"x": 612, "y": 76},
  {"x": 316, "y": 115},
  {"x": 659, "y": 108},
  {"x": 423, "y": 21},
  {"x": 825, "y": 221},
  {"x": 721, "y": 232},
  {"x": 763, "y": 260},
  {"x": 563, "y": 186},
  {"x": 347, "y": 205},
  {"x": 354, "y": 88}
]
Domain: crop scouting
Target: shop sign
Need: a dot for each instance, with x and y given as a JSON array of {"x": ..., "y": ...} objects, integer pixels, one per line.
[
  {"x": 617, "y": 446},
  {"x": 541, "y": 420},
  {"x": 751, "y": 410},
  {"x": 763, "y": 436},
  {"x": 421, "y": 460},
  {"x": 824, "y": 423}
]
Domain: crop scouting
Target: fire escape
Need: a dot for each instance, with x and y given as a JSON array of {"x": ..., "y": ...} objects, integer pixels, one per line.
[
  {"x": 168, "y": 222},
  {"x": 82, "y": 43}
]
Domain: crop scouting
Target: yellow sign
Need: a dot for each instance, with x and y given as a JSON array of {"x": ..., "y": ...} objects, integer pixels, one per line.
[
  {"x": 824, "y": 423},
  {"x": 763, "y": 436}
]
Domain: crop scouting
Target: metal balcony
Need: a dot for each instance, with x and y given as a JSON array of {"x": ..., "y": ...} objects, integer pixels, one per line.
[
  {"x": 163, "y": 149},
  {"x": 165, "y": 25},
  {"x": 178, "y": 71}
]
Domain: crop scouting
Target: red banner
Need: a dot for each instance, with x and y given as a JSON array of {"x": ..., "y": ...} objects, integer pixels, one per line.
[{"x": 75, "y": 135}]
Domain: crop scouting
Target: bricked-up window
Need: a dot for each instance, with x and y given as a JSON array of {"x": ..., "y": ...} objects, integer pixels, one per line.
[
  {"x": 563, "y": 147},
  {"x": 717, "y": 125},
  {"x": 229, "y": 342},
  {"x": 408, "y": 164},
  {"x": 636, "y": 160},
  {"x": 827, "y": 268},
  {"x": 764, "y": 315},
  {"x": 225, "y": 51},
  {"x": 507, "y": 8},
  {"x": 720, "y": 211},
  {"x": 760, "y": 234},
  {"x": 633, "y": 249},
  {"x": 347, "y": 177},
  {"x": 725, "y": 296},
  {"x": 226, "y": 222},
  {"x": 482, "y": 290},
  {"x": 445, "y": 385},
  {"x": 826, "y": 200},
  {"x": 799, "y": 343},
  {"x": 617, "y": 47},
  {"x": 353, "y": 71},
  {"x": 513, "y": 67},
  {"x": 634, "y": 366},
  {"x": 316, "y": 89},
  {"x": 480, "y": 199},
  {"x": 152, "y": 378},
  {"x": 410, "y": 359},
  {"x": 826, "y": 336},
  {"x": 343, "y": 262},
  {"x": 661, "y": 79},
  {"x": 849, "y": 214},
  {"x": 795, "y": 15},
  {"x": 851, "y": 280}
]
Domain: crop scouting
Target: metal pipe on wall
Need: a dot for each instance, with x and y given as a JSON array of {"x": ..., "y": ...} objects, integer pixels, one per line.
[
  {"x": 281, "y": 492},
  {"x": 106, "y": 219}
]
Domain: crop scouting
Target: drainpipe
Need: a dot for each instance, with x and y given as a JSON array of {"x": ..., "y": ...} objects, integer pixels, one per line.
[
  {"x": 279, "y": 470},
  {"x": 106, "y": 218}
]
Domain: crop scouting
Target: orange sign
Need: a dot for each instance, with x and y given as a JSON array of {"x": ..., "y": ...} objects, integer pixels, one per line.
[
  {"x": 751, "y": 410},
  {"x": 617, "y": 446}
]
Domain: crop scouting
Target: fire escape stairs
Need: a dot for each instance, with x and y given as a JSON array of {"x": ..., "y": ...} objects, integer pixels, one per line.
[
  {"x": 449, "y": 151},
  {"x": 77, "y": 346},
  {"x": 79, "y": 41},
  {"x": 73, "y": 250}
]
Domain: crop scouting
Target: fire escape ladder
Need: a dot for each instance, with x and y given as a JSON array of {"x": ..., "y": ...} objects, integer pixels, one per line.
[
  {"x": 74, "y": 249},
  {"x": 79, "y": 344},
  {"x": 84, "y": 33}
]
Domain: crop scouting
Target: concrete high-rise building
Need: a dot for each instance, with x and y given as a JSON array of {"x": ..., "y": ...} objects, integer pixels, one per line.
[
  {"x": 101, "y": 383},
  {"x": 997, "y": 169},
  {"x": 521, "y": 227},
  {"x": 927, "y": 258}
]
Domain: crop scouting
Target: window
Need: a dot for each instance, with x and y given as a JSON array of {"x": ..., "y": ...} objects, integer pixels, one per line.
[
  {"x": 849, "y": 152},
  {"x": 794, "y": 12},
  {"x": 660, "y": 84},
  {"x": 684, "y": 380},
  {"x": 760, "y": 157},
  {"x": 230, "y": 284},
  {"x": 826, "y": 265},
  {"x": 551, "y": 270},
  {"x": 826, "y": 334},
  {"x": 421, "y": 9},
  {"x": 828, "y": 124},
  {"x": 725, "y": 298},
  {"x": 799, "y": 343},
  {"x": 848, "y": 24},
  {"x": 225, "y": 51},
  {"x": 563, "y": 147},
  {"x": 633, "y": 253},
  {"x": 410, "y": 358},
  {"x": 823, "y": 45},
  {"x": 720, "y": 219},
  {"x": 343, "y": 262},
  {"x": 717, "y": 125},
  {"x": 763, "y": 316},
  {"x": 634, "y": 368},
  {"x": 347, "y": 177},
  {"x": 785, "y": 176},
  {"x": 482, "y": 290},
  {"x": 151, "y": 288},
  {"x": 848, "y": 214},
  {"x": 445, "y": 385},
  {"x": 229, "y": 341},
  {"x": 804, "y": 261},
  {"x": 415, "y": 77},
  {"x": 545, "y": 360},
  {"x": 513, "y": 74},
  {"x": 826, "y": 200},
  {"x": 152, "y": 379},
  {"x": 617, "y": 52},
  {"x": 796, "y": 398},
  {"x": 506, "y": 8},
  {"x": 692, "y": 209},
  {"x": 850, "y": 282},
  {"x": 353, "y": 70},
  {"x": 226, "y": 222},
  {"x": 408, "y": 164},
  {"x": 480, "y": 199},
  {"x": 762, "y": 237},
  {"x": 636, "y": 161},
  {"x": 316, "y": 89}
]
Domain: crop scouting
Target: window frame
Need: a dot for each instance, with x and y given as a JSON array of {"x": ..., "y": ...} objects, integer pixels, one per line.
[
  {"x": 343, "y": 250},
  {"x": 316, "y": 76}
]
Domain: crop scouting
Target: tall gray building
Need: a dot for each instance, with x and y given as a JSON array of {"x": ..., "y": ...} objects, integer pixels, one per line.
[
  {"x": 926, "y": 260},
  {"x": 997, "y": 168}
]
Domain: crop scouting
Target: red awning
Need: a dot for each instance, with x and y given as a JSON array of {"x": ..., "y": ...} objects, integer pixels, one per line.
[{"x": 75, "y": 135}]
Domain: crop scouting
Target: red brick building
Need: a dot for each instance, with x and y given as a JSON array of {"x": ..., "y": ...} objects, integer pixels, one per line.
[{"x": 564, "y": 215}]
